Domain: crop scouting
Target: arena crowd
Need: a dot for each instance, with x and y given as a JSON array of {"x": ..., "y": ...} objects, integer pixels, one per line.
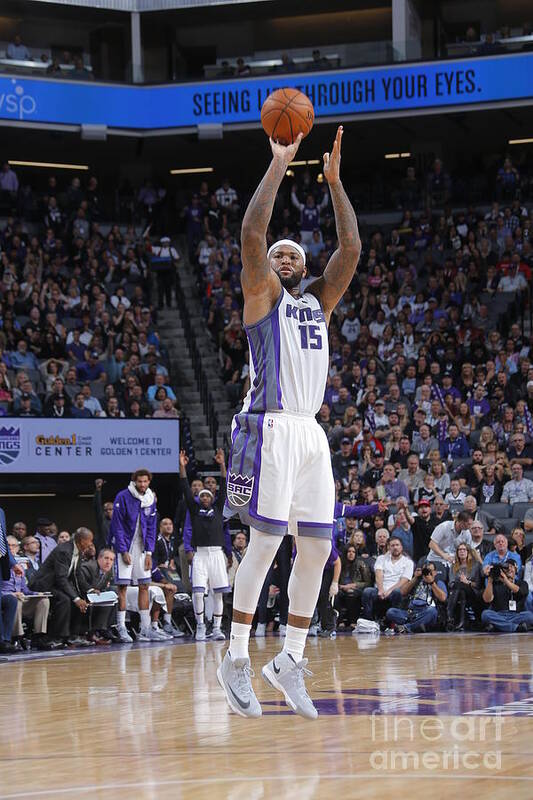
[{"x": 428, "y": 409}]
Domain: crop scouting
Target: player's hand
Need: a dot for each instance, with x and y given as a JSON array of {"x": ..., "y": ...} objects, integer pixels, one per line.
[
  {"x": 229, "y": 561},
  {"x": 332, "y": 161},
  {"x": 285, "y": 153},
  {"x": 333, "y": 589},
  {"x": 126, "y": 558},
  {"x": 148, "y": 563}
]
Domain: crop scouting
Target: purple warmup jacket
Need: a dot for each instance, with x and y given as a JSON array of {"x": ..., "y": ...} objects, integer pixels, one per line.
[
  {"x": 359, "y": 512},
  {"x": 126, "y": 510}
]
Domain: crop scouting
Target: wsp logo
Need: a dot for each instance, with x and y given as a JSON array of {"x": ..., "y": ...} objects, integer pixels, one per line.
[{"x": 16, "y": 103}]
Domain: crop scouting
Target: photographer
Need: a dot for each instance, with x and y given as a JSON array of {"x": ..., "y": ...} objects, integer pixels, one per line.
[
  {"x": 425, "y": 591},
  {"x": 501, "y": 554},
  {"x": 506, "y": 597}
]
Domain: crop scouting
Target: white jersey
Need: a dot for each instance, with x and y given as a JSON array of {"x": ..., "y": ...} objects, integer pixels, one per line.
[{"x": 289, "y": 357}]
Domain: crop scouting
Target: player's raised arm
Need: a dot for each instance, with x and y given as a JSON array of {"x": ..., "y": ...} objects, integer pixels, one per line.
[
  {"x": 257, "y": 277},
  {"x": 330, "y": 287}
]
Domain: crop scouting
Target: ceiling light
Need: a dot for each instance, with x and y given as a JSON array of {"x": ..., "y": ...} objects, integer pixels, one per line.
[
  {"x": 520, "y": 141},
  {"x": 47, "y": 165},
  {"x": 191, "y": 170}
]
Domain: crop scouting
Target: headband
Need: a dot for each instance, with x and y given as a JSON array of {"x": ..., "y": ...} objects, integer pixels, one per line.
[
  {"x": 288, "y": 243},
  {"x": 205, "y": 491}
]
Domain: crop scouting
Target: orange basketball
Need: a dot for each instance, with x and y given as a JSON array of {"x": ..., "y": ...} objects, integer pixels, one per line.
[{"x": 285, "y": 114}]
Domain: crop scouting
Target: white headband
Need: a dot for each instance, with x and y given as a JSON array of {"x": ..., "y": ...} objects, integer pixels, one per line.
[
  {"x": 205, "y": 491},
  {"x": 287, "y": 243}
]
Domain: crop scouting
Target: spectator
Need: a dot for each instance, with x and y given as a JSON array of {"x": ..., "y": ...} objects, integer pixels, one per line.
[
  {"x": 456, "y": 496},
  {"x": 17, "y": 51},
  {"x": 454, "y": 445},
  {"x": 465, "y": 586},
  {"x": 413, "y": 476},
  {"x": 390, "y": 486},
  {"x": 447, "y": 535},
  {"x": 422, "y": 527},
  {"x": 9, "y": 183},
  {"x": 45, "y": 536},
  {"x": 392, "y": 571},
  {"x": 478, "y": 542},
  {"x": 354, "y": 578},
  {"x": 518, "y": 489}
]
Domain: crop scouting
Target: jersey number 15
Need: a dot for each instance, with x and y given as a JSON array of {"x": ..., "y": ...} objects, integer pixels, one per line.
[{"x": 310, "y": 337}]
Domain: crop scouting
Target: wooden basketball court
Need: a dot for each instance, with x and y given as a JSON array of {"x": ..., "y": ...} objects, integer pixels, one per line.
[{"x": 432, "y": 715}]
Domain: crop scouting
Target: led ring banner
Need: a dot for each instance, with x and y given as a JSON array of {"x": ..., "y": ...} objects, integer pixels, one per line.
[
  {"x": 38, "y": 445},
  {"x": 435, "y": 84}
]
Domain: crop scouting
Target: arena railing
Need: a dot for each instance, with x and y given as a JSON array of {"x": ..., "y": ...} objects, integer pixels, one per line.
[{"x": 202, "y": 383}]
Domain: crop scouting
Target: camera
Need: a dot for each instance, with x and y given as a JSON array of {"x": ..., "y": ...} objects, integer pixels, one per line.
[
  {"x": 426, "y": 571},
  {"x": 495, "y": 571}
]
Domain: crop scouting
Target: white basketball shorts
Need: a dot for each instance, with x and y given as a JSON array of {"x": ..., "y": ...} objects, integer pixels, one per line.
[
  {"x": 279, "y": 476},
  {"x": 127, "y": 574},
  {"x": 209, "y": 570}
]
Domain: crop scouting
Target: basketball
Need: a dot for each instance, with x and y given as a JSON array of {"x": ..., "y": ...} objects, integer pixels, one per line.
[{"x": 285, "y": 114}]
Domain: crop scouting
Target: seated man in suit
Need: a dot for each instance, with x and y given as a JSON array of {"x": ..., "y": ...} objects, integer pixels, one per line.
[
  {"x": 29, "y": 606},
  {"x": 95, "y": 576},
  {"x": 59, "y": 574},
  {"x": 8, "y": 603}
]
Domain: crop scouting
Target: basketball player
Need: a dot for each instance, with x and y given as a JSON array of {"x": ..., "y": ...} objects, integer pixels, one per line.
[
  {"x": 205, "y": 548},
  {"x": 132, "y": 535},
  {"x": 280, "y": 477}
]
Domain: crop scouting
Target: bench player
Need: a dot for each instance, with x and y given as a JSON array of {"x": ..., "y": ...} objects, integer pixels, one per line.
[{"x": 280, "y": 477}]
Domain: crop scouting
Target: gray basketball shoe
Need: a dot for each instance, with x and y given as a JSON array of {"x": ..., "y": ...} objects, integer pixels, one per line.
[
  {"x": 235, "y": 679},
  {"x": 288, "y": 677}
]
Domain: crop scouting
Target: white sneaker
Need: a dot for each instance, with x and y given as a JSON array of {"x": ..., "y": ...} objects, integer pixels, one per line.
[
  {"x": 282, "y": 630},
  {"x": 123, "y": 634},
  {"x": 200, "y": 635},
  {"x": 171, "y": 629},
  {"x": 288, "y": 676},
  {"x": 217, "y": 635},
  {"x": 313, "y": 630},
  {"x": 148, "y": 635},
  {"x": 162, "y": 634},
  {"x": 260, "y": 631}
]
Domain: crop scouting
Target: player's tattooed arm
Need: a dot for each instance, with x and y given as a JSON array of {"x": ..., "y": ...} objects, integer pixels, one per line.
[
  {"x": 343, "y": 263},
  {"x": 256, "y": 270}
]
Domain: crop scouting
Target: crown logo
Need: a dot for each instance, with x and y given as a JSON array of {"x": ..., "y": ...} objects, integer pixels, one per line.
[{"x": 240, "y": 488}]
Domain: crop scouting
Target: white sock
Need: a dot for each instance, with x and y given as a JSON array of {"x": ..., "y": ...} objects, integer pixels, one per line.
[
  {"x": 239, "y": 638},
  {"x": 121, "y": 619},
  {"x": 155, "y": 626},
  {"x": 145, "y": 619},
  {"x": 294, "y": 643},
  {"x": 198, "y": 605},
  {"x": 168, "y": 619},
  {"x": 216, "y": 622}
]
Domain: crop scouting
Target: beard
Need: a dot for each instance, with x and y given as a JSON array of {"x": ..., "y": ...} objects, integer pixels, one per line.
[{"x": 290, "y": 281}]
